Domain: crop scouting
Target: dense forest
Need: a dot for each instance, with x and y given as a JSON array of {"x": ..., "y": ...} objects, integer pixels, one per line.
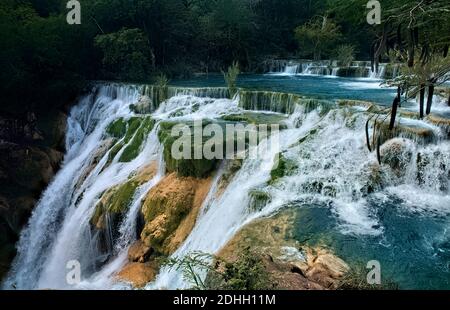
[{"x": 45, "y": 61}]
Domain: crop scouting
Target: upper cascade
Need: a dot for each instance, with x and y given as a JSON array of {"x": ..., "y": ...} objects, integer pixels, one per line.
[{"x": 357, "y": 69}]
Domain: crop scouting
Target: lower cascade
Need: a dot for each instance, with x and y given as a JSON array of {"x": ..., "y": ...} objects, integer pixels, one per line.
[{"x": 122, "y": 203}]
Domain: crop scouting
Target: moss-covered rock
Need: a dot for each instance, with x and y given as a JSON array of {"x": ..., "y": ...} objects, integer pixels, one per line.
[
  {"x": 184, "y": 167},
  {"x": 441, "y": 122},
  {"x": 397, "y": 154},
  {"x": 413, "y": 132},
  {"x": 170, "y": 211},
  {"x": 114, "y": 203},
  {"x": 117, "y": 129},
  {"x": 133, "y": 149},
  {"x": 131, "y": 134},
  {"x": 258, "y": 118},
  {"x": 143, "y": 106},
  {"x": 282, "y": 167}
]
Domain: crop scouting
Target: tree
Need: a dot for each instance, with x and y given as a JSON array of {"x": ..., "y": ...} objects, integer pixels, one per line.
[
  {"x": 317, "y": 35},
  {"x": 345, "y": 54},
  {"x": 126, "y": 53},
  {"x": 231, "y": 77}
]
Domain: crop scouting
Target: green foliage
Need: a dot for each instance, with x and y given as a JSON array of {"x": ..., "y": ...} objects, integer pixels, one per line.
[
  {"x": 114, "y": 202},
  {"x": 356, "y": 279},
  {"x": 231, "y": 77},
  {"x": 317, "y": 35},
  {"x": 245, "y": 273},
  {"x": 126, "y": 53},
  {"x": 162, "y": 81},
  {"x": 345, "y": 54}
]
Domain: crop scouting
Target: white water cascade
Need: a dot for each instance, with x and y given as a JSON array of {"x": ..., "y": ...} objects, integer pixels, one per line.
[
  {"x": 357, "y": 69},
  {"x": 331, "y": 168}
]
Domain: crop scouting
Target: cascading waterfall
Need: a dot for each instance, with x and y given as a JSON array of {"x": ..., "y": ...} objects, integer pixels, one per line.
[
  {"x": 331, "y": 168},
  {"x": 59, "y": 227},
  {"x": 357, "y": 69}
]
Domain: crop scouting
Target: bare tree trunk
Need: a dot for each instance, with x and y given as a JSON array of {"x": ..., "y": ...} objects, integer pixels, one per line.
[
  {"x": 411, "y": 48},
  {"x": 421, "y": 99},
  {"x": 394, "y": 112},
  {"x": 430, "y": 98}
]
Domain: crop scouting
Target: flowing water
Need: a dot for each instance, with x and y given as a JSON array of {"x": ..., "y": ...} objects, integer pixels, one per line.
[{"x": 365, "y": 211}]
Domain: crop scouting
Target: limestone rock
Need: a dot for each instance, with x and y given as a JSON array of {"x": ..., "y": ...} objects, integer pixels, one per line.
[
  {"x": 139, "y": 252},
  {"x": 138, "y": 274},
  {"x": 170, "y": 211}
]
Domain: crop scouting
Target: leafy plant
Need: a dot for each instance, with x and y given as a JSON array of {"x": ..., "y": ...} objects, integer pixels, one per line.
[
  {"x": 231, "y": 77},
  {"x": 247, "y": 272},
  {"x": 345, "y": 54},
  {"x": 162, "y": 80},
  {"x": 355, "y": 279}
]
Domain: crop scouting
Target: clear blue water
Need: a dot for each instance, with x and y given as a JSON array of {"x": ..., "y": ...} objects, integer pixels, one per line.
[
  {"x": 413, "y": 251},
  {"x": 315, "y": 86}
]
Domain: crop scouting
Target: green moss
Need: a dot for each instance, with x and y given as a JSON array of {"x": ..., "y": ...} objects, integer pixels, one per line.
[
  {"x": 135, "y": 129},
  {"x": 133, "y": 148},
  {"x": 117, "y": 128},
  {"x": 184, "y": 167},
  {"x": 133, "y": 124},
  {"x": 115, "y": 149},
  {"x": 282, "y": 167},
  {"x": 114, "y": 202},
  {"x": 310, "y": 135}
]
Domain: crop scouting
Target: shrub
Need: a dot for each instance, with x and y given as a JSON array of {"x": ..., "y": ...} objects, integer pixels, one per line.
[
  {"x": 231, "y": 77},
  {"x": 345, "y": 55}
]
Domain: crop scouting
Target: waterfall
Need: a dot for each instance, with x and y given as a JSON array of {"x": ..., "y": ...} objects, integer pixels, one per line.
[
  {"x": 357, "y": 69},
  {"x": 58, "y": 229},
  {"x": 334, "y": 170},
  {"x": 324, "y": 144}
]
